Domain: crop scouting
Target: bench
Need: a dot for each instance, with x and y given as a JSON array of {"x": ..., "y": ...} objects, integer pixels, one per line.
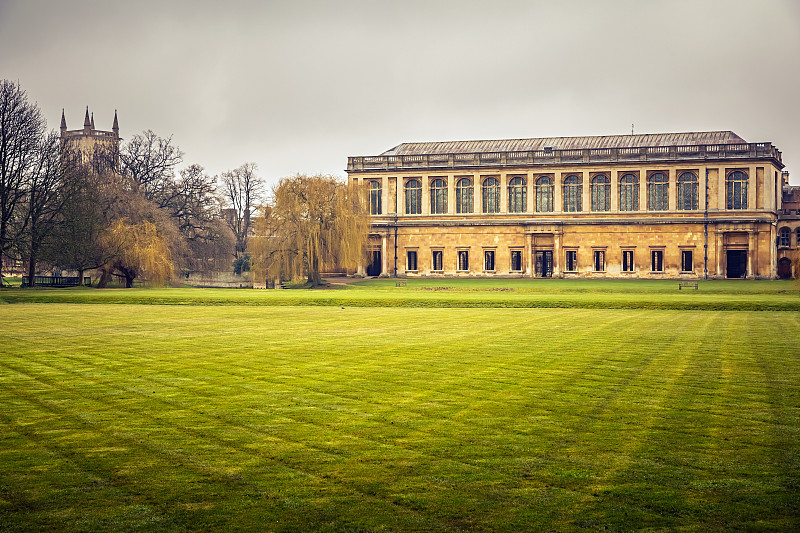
[
  {"x": 687, "y": 284},
  {"x": 400, "y": 283}
]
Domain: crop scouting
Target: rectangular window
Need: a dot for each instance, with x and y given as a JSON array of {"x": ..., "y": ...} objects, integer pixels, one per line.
[
  {"x": 627, "y": 260},
  {"x": 488, "y": 260},
  {"x": 516, "y": 260},
  {"x": 657, "y": 260},
  {"x": 411, "y": 260},
  {"x": 599, "y": 260},
  {"x": 572, "y": 261},
  {"x": 463, "y": 260},
  {"x": 687, "y": 261},
  {"x": 437, "y": 260}
]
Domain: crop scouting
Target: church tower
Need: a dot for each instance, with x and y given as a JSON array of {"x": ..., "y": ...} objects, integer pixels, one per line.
[{"x": 96, "y": 147}]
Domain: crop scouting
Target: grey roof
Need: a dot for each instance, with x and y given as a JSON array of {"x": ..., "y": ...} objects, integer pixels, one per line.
[{"x": 568, "y": 143}]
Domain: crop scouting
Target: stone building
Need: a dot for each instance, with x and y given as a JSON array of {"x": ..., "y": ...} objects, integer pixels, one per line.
[
  {"x": 693, "y": 205},
  {"x": 788, "y": 240},
  {"x": 96, "y": 147}
]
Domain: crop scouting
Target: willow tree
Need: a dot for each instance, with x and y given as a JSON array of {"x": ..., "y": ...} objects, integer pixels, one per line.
[
  {"x": 313, "y": 223},
  {"x": 143, "y": 251}
]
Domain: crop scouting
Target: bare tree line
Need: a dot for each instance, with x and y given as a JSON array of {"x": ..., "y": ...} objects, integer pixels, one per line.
[{"x": 130, "y": 213}]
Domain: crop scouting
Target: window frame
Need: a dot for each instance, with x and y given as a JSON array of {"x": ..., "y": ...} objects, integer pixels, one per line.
[
  {"x": 656, "y": 260},
  {"x": 658, "y": 192},
  {"x": 688, "y": 180},
  {"x": 785, "y": 237},
  {"x": 572, "y": 193},
  {"x": 570, "y": 256},
  {"x": 684, "y": 254},
  {"x": 413, "y": 196},
  {"x": 463, "y": 261},
  {"x": 517, "y": 194},
  {"x": 599, "y": 260},
  {"x": 628, "y": 192},
  {"x": 438, "y": 192},
  {"x": 375, "y": 197},
  {"x": 490, "y": 195},
  {"x": 518, "y": 254},
  {"x": 464, "y": 196},
  {"x": 409, "y": 262},
  {"x": 601, "y": 193},
  {"x": 628, "y": 261},
  {"x": 545, "y": 194},
  {"x": 434, "y": 254},
  {"x": 489, "y": 260},
  {"x": 736, "y": 199}
]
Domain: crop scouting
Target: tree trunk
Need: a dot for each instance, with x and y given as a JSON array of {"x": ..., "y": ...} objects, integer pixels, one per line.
[
  {"x": 104, "y": 277},
  {"x": 129, "y": 280},
  {"x": 31, "y": 270}
]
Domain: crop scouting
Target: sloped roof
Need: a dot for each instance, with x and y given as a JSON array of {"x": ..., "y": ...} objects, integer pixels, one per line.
[{"x": 568, "y": 143}]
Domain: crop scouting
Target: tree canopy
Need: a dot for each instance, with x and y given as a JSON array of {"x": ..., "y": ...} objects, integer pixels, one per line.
[{"x": 313, "y": 223}]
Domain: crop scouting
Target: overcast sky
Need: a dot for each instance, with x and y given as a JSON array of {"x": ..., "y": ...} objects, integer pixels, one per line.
[{"x": 299, "y": 86}]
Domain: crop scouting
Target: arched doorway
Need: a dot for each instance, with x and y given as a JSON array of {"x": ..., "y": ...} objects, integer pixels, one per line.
[{"x": 784, "y": 268}]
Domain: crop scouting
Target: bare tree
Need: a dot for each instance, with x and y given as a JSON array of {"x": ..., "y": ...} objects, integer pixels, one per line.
[
  {"x": 242, "y": 191},
  {"x": 150, "y": 162},
  {"x": 47, "y": 188},
  {"x": 314, "y": 222},
  {"x": 21, "y": 130}
]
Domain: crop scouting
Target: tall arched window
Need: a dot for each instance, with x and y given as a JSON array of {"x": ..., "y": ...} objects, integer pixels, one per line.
[
  {"x": 438, "y": 196},
  {"x": 601, "y": 193},
  {"x": 517, "y": 195},
  {"x": 573, "y": 188},
  {"x": 374, "y": 197},
  {"x": 737, "y": 190},
  {"x": 687, "y": 192},
  {"x": 785, "y": 238},
  {"x": 464, "y": 195},
  {"x": 544, "y": 195},
  {"x": 413, "y": 197},
  {"x": 658, "y": 192},
  {"x": 490, "y": 195},
  {"x": 629, "y": 193}
]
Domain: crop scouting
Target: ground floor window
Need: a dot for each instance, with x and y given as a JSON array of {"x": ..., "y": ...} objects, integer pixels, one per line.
[
  {"x": 516, "y": 260},
  {"x": 599, "y": 260},
  {"x": 411, "y": 260},
  {"x": 488, "y": 260},
  {"x": 463, "y": 260},
  {"x": 572, "y": 261},
  {"x": 437, "y": 260},
  {"x": 627, "y": 260},
  {"x": 687, "y": 261},
  {"x": 657, "y": 260}
]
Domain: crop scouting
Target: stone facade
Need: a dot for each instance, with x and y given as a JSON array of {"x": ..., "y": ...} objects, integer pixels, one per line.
[{"x": 688, "y": 205}]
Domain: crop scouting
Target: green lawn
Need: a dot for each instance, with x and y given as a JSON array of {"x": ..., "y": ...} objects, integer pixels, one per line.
[{"x": 256, "y": 416}]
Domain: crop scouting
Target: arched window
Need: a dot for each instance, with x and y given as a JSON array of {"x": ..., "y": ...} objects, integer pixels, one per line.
[
  {"x": 517, "y": 195},
  {"x": 785, "y": 238},
  {"x": 687, "y": 191},
  {"x": 544, "y": 195},
  {"x": 658, "y": 192},
  {"x": 374, "y": 197},
  {"x": 490, "y": 194},
  {"x": 464, "y": 195},
  {"x": 573, "y": 187},
  {"x": 438, "y": 196},
  {"x": 601, "y": 193},
  {"x": 629, "y": 193},
  {"x": 736, "y": 190},
  {"x": 413, "y": 197}
]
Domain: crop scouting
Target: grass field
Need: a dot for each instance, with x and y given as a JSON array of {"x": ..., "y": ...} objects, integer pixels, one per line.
[{"x": 246, "y": 410}]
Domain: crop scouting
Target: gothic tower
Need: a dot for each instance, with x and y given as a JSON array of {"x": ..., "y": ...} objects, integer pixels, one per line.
[{"x": 96, "y": 147}]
